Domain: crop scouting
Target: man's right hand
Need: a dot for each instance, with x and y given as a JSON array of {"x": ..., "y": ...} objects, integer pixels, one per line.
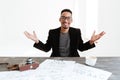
[{"x": 32, "y": 36}]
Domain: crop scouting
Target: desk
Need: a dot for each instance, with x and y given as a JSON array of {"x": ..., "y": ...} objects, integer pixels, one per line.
[{"x": 111, "y": 64}]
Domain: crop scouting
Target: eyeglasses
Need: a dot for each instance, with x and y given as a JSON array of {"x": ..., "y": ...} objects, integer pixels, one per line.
[{"x": 65, "y": 18}]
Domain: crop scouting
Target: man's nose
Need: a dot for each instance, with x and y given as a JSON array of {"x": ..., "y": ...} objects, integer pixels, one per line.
[{"x": 66, "y": 20}]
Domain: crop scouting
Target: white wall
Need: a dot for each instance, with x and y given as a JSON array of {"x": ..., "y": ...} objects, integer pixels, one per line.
[
  {"x": 16, "y": 16},
  {"x": 108, "y": 21}
]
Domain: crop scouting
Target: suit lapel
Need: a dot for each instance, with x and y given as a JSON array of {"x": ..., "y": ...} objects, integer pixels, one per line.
[
  {"x": 58, "y": 37},
  {"x": 71, "y": 36}
]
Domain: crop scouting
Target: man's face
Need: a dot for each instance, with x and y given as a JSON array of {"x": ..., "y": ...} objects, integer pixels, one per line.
[{"x": 66, "y": 20}]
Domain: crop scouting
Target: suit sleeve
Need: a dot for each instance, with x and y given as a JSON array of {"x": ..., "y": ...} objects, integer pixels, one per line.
[
  {"x": 44, "y": 46},
  {"x": 81, "y": 45}
]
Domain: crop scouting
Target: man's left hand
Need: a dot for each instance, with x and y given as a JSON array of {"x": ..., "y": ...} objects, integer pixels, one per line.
[{"x": 94, "y": 37}]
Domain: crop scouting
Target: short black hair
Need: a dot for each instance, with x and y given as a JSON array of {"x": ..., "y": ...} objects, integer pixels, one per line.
[{"x": 66, "y": 10}]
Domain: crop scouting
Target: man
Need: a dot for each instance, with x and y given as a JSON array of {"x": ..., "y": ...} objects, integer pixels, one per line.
[{"x": 65, "y": 40}]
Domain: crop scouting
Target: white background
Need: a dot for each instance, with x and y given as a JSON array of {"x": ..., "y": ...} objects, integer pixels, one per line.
[{"x": 16, "y": 16}]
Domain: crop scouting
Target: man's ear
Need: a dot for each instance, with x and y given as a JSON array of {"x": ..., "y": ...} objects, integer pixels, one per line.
[
  {"x": 59, "y": 19},
  {"x": 72, "y": 20}
]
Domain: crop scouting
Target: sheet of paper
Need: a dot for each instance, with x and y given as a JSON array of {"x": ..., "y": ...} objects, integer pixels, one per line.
[
  {"x": 69, "y": 70},
  {"x": 90, "y": 73},
  {"x": 53, "y": 69},
  {"x": 58, "y": 70}
]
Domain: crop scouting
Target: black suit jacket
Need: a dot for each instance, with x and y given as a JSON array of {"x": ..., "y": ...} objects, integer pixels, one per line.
[{"x": 76, "y": 43}]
